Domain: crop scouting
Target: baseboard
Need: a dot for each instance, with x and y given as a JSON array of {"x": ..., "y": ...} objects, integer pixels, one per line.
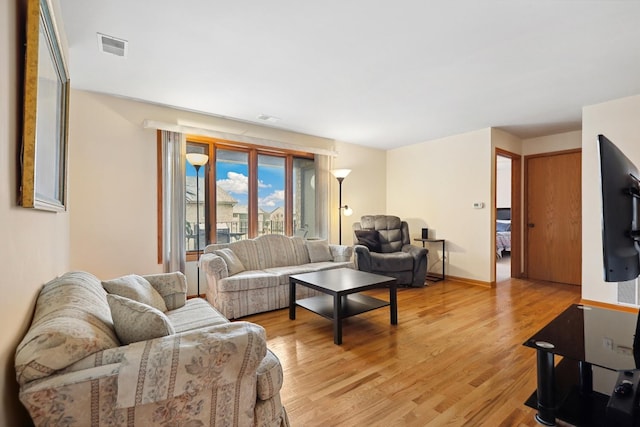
[
  {"x": 472, "y": 282},
  {"x": 609, "y": 306}
]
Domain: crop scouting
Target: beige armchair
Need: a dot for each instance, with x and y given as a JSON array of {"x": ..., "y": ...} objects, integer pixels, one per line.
[{"x": 382, "y": 247}]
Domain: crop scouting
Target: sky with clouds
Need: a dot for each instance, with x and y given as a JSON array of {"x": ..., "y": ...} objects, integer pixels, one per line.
[{"x": 233, "y": 179}]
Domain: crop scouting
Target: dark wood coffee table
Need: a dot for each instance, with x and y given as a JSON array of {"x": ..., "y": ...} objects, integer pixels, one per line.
[{"x": 341, "y": 286}]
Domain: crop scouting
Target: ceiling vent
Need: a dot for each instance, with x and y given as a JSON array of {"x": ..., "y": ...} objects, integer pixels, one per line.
[
  {"x": 268, "y": 118},
  {"x": 112, "y": 45}
]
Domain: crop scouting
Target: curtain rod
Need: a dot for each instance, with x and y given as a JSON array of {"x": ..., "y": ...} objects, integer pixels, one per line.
[{"x": 153, "y": 124}]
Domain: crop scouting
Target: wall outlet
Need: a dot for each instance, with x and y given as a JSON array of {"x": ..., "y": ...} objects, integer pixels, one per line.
[{"x": 607, "y": 343}]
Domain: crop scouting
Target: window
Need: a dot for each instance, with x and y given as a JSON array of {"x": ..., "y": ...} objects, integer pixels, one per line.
[
  {"x": 231, "y": 195},
  {"x": 271, "y": 183},
  {"x": 256, "y": 191}
]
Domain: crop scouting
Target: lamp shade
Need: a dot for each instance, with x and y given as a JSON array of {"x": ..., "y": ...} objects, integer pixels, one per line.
[
  {"x": 197, "y": 159},
  {"x": 341, "y": 173}
]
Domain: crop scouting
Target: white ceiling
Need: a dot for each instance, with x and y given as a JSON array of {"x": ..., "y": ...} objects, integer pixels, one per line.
[{"x": 370, "y": 72}]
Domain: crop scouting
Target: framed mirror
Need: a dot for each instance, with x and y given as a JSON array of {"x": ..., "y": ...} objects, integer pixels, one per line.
[{"x": 45, "y": 121}]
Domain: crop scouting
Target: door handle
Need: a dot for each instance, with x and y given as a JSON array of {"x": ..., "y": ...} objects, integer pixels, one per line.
[{"x": 531, "y": 225}]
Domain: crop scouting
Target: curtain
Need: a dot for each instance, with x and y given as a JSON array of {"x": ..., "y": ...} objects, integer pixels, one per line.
[
  {"x": 173, "y": 201},
  {"x": 322, "y": 195}
]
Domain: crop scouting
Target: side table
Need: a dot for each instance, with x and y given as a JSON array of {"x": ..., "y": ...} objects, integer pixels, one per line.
[{"x": 430, "y": 276}]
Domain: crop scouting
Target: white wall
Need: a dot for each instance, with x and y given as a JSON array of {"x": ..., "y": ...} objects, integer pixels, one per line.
[
  {"x": 619, "y": 121},
  {"x": 434, "y": 184},
  {"x": 364, "y": 190},
  {"x": 35, "y": 244},
  {"x": 547, "y": 144},
  {"x": 503, "y": 184}
]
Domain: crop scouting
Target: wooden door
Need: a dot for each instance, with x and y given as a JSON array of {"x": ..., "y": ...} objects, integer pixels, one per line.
[{"x": 553, "y": 222}]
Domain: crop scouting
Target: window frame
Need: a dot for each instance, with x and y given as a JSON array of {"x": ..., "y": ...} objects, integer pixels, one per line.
[{"x": 253, "y": 151}]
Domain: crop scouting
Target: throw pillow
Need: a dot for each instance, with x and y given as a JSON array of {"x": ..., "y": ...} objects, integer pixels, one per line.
[
  {"x": 135, "y": 321},
  {"x": 136, "y": 288},
  {"x": 319, "y": 251},
  {"x": 234, "y": 265},
  {"x": 370, "y": 239}
]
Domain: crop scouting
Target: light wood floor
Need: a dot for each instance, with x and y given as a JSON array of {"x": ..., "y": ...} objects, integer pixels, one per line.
[{"x": 456, "y": 357}]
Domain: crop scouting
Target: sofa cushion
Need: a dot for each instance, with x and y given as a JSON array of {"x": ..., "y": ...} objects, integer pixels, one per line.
[
  {"x": 276, "y": 250},
  {"x": 246, "y": 280},
  {"x": 329, "y": 265},
  {"x": 319, "y": 251},
  {"x": 197, "y": 313},
  {"x": 136, "y": 288},
  {"x": 135, "y": 321},
  {"x": 283, "y": 273},
  {"x": 370, "y": 239},
  {"x": 234, "y": 265},
  {"x": 72, "y": 320},
  {"x": 171, "y": 286},
  {"x": 246, "y": 251}
]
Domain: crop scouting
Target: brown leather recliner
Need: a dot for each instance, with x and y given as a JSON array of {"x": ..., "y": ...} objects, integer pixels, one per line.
[{"x": 382, "y": 246}]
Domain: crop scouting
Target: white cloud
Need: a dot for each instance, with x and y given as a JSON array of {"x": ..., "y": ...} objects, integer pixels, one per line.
[
  {"x": 238, "y": 183},
  {"x": 272, "y": 200},
  {"x": 235, "y": 183}
]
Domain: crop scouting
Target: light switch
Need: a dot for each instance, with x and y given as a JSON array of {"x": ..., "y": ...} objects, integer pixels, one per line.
[{"x": 478, "y": 205}]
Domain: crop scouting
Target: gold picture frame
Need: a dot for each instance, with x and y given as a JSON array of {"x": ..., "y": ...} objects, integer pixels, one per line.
[{"x": 46, "y": 114}]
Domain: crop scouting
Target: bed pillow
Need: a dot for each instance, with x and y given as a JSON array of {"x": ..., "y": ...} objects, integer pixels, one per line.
[
  {"x": 135, "y": 321},
  {"x": 136, "y": 288},
  {"x": 370, "y": 239},
  {"x": 319, "y": 251},
  {"x": 503, "y": 226},
  {"x": 234, "y": 265}
]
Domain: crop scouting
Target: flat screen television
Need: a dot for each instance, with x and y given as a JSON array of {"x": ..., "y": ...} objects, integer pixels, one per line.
[{"x": 620, "y": 232}]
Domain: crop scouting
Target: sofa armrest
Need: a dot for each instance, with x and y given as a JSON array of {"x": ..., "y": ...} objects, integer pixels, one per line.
[
  {"x": 270, "y": 376},
  {"x": 214, "y": 266},
  {"x": 67, "y": 381},
  {"x": 363, "y": 258},
  {"x": 172, "y": 287},
  {"x": 174, "y": 373},
  {"x": 341, "y": 253},
  {"x": 218, "y": 356}
]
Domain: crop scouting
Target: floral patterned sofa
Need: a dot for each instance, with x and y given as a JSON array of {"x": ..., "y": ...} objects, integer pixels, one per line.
[
  {"x": 73, "y": 369},
  {"x": 251, "y": 276}
]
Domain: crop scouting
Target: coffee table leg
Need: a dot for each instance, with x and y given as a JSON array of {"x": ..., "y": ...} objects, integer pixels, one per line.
[
  {"x": 292, "y": 299},
  {"x": 393, "y": 300},
  {"x": 337, "y": 319}
]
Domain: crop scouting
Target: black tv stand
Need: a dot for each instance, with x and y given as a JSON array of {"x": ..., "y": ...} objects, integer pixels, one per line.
[{"x": 565, "y": 391}]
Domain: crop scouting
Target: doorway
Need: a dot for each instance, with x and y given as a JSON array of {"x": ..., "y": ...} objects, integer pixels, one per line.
[
  {"x": 553, "y": 237},
  {"x": 507, "y": 216},
  {"x": 503, "y": 218}
]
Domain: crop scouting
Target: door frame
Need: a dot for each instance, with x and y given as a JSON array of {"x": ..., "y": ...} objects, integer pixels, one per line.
[
  {"x": 526, "y": 200},
  {"x": 516, "y": 211}
]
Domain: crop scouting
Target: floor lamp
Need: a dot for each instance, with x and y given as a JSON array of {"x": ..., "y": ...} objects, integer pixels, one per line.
[
  {"x": 341, "y": 174},
  {"x": 197, "y": 160}
]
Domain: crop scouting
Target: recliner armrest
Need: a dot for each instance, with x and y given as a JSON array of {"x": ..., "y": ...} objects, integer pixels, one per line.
[
  {"x": 415, "y": 251},
  {"x": 362, "y": 258},
  {"x": 419, "y": 263}
]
